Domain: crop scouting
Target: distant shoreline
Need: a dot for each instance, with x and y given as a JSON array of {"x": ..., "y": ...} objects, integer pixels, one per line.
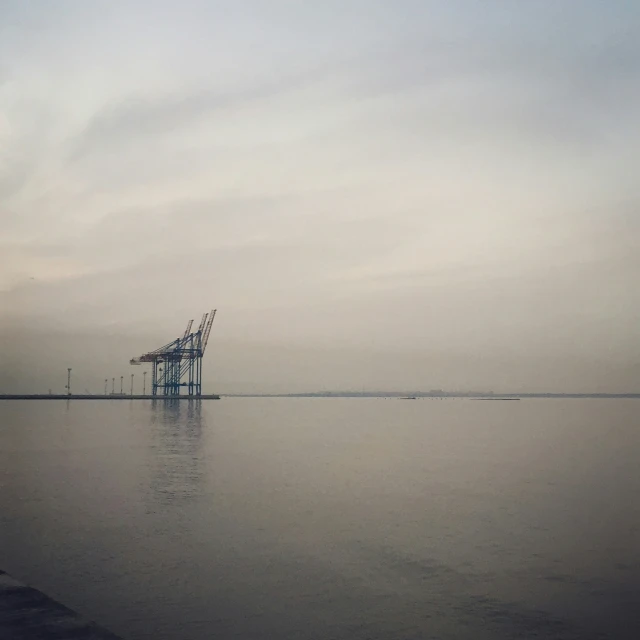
[
  {"x": 417, "y": 395},
  {"x": 390, "y": 395}
]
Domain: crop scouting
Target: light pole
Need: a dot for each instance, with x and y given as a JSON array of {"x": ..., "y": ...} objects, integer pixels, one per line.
[
  {"x": 144, "y": 383},
  {"x": 121, "y": 379},
  {"x": 113, "y": 386},
  {"x": 105, "y": 386},
  {"x": 132, "y": 384},
  {"x": 68, "y": 387}
]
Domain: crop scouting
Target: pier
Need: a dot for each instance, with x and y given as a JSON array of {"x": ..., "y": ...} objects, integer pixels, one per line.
[{"x": 116, "y": 396}]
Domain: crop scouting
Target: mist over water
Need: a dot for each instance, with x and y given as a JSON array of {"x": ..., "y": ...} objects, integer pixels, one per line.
[{"x": 316, "y": 518}]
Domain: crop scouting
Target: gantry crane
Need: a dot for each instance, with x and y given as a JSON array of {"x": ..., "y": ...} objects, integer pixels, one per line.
[{"x": 178, "y": 364}]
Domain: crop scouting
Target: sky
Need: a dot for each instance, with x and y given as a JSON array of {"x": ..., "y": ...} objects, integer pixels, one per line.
[{"x": 373, "y": 194}]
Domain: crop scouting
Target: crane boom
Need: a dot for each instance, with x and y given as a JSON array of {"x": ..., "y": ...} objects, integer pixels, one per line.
[
  {"x": 207, "y": 330},
  {"x": 202, "y": 323},
  {"x": 187, "y": 330}
]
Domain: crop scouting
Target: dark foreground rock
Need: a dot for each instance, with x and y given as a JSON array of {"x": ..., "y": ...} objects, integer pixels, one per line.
[{"x": 28, "y": 614}]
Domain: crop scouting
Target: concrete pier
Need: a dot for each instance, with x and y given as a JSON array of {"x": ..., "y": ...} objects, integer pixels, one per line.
[
  {"x": 28, "y": 614},
  {"x": 116, "y": 396}
]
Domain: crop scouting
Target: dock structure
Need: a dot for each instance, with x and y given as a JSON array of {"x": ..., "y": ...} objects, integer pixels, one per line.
[
  {"x": 116, "y": 396},
  {"x": 28, "y": 614}
]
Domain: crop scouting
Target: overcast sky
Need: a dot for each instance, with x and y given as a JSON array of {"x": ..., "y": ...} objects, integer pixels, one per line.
[{"x": 372, "y": 193}]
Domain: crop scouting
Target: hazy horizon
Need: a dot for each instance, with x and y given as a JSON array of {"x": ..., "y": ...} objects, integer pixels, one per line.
[{"x": 407, "y": 195}]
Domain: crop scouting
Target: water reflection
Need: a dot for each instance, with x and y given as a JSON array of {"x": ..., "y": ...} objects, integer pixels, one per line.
[{"x": 177, "y": 468}]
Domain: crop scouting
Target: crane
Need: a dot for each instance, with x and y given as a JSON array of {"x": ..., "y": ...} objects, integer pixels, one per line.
[{"x": 178, "y": 364}]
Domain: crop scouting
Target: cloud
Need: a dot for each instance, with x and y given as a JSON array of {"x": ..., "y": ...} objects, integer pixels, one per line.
[
  {"x": 20, "y": 265},
  {"x": 163, "y": 115}
]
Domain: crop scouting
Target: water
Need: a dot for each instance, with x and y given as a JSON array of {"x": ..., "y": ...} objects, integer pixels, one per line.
[{"x": 328, "y": 518}]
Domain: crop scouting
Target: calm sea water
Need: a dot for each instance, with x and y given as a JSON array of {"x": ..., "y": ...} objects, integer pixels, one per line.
[{"x": 328, "y": 518}]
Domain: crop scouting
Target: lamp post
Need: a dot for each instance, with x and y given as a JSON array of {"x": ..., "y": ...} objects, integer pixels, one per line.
[
  {"x": 132, "y": 384},
  {"x": 105, "y": 386},
  {"x": 113, "y": 386},
  {"x": 144, "y": 383},
  {"x": 68, "y": 387},
  {"x": 121, "y": 379}
]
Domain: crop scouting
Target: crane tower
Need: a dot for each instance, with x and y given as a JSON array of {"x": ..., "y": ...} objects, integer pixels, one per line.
[{"x": 179, "y": 363}]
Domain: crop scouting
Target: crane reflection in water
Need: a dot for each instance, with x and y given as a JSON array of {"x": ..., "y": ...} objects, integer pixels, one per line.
[{"x": 176, "y": 465}]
